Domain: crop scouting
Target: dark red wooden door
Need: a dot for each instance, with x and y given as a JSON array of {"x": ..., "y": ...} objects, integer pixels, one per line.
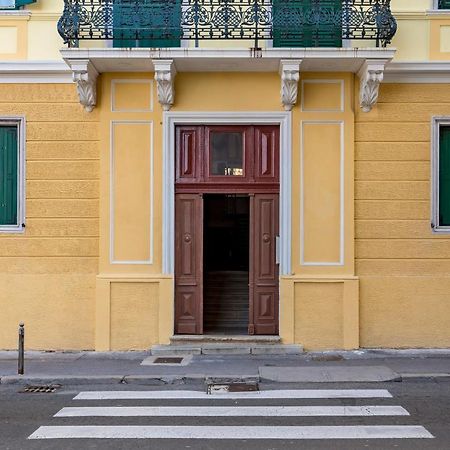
[
  {"x": 263, "y": 265},
  {"x": 189, "y": 264},
  {"x": 256, "y": 173}
]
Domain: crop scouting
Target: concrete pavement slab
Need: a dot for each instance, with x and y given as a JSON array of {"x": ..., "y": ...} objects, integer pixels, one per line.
[
  {"x": 61, "y": 379},
  {"x": 328, "y": 374}
]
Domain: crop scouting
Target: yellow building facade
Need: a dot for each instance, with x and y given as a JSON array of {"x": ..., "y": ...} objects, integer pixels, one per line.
[{"x": 95, "y": 259}]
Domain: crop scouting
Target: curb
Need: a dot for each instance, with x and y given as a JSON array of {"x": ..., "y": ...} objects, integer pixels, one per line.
[
  {"x": 163, "y": 380},
  {"x": 155, "y": 380}
]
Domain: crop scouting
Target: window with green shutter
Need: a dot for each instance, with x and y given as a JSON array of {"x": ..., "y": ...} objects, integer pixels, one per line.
[
  {"x": 444, "y": 176},
  {"x": 440, "y": 202},
  {"x": 14, "y": 4},
  {"x": 9, "y": 165},
  {"x": 444, "y": 4},
  {"x": 147, "y": 23},
  {"x": 307, "y": 23}
]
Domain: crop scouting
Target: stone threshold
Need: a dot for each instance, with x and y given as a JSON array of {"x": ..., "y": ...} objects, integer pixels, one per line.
[{"x": 226, "y": 345}]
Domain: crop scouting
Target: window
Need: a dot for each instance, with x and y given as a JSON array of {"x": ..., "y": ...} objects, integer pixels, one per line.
[
  {"x": 14, "y": 4},
  {"x": 12, "y": 174},
  {"x": 323, "y": 27},
  {"x": 148, "y": 23},
  {"x": 441, "y": 4},
  {"x": 227, "y": 151},
  {"x": 441, "y": 174}
]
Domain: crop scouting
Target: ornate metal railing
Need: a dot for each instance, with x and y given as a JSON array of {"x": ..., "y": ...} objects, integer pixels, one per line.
[{"x": 289, "y": 23}]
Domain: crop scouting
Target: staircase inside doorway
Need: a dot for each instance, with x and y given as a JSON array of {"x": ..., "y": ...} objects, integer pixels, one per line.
[{"x": 226, "y": 264}]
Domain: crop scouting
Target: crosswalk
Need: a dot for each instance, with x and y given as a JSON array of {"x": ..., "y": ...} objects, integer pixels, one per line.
[{"x": 246, "y": 407}]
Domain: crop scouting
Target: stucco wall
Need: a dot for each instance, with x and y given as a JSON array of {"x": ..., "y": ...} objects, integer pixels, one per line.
[
  {"x": 404, "y": 268},
  {"x": 47, "y": 274}
]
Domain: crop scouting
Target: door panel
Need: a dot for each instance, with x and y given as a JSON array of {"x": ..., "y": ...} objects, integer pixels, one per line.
[
  {"x": 189, "y": 264},
  {"x": 188, "y": 167},
  {"x": 263, "y": 268},
  {"x": 267, "y": 154}
]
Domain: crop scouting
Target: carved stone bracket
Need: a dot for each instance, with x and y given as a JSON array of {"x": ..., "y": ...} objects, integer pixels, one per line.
[
  {"x": 290, "y": 76},
  {"x": 371, "y": 75},
  {"x": 165, "y": 73},
  {"x": 85, "y": 76}
]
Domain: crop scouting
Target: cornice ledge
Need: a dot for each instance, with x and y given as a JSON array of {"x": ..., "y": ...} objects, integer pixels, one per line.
[
  {"x": 165, "y": 73},
  {"x": 290, "y": 76},
  {"x": 371, "y": 75},
  {"x": 418, "y": 72},
  {"x": 85, "y": 75}
]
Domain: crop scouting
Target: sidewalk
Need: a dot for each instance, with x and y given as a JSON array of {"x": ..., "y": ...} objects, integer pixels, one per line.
[{"x": 69, "y": 368}]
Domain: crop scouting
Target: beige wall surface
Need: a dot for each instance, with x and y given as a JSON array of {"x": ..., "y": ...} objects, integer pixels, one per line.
[
  {"x": 404, "y": 268},
  {"x": 47, "y": 274}
]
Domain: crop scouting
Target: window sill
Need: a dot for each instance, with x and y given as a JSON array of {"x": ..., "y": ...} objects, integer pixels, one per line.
[
  {"x": 13, "y": 229},
  {"x": 441, "y": 230},
  {"x": 438, "y": 12}
]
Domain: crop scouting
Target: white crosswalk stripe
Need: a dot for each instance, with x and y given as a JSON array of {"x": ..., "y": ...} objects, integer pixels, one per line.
[
  {"x": 224, "y": 432},
  {"x": 254, "y": 408},
  {"x": 232, "y": 411},
  {"x": 282, "y": 394}
]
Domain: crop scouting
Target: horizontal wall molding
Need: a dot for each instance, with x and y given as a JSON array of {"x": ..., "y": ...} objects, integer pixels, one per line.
[
  {"x": 35, "y": 72},
  {"x": 417, "y": 72}
]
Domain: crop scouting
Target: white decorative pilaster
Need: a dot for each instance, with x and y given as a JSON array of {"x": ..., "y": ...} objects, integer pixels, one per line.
[
  {"x": 85, "y": 76},
  {"x": 370, "y": 75},
  {"x": 165, "y": 81},
  {"x": 290, "y": 76}
]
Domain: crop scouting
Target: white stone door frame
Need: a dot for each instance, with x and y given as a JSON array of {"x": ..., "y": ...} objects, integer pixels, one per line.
[{"x": 172, "y": 119}]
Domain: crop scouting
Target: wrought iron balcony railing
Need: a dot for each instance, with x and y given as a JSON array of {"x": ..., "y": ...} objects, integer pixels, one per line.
[{"x": 287, "y": 23}]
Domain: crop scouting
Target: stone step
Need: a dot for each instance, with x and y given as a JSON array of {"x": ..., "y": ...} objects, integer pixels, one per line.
[
  {"x": 190, "y": 339},
  {"x": 227, "y": 349}
]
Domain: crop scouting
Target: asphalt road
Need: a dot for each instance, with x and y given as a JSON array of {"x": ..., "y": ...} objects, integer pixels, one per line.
[{"x": 427, "y": 402}]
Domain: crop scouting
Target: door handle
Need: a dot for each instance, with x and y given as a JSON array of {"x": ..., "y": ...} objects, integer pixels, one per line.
[{"x": 277, "y": 249}]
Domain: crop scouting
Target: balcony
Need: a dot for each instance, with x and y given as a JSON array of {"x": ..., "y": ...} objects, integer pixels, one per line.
[{"x": 251, "y": 23}]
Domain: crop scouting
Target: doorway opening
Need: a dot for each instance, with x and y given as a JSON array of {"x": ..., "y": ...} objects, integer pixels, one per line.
[{"x": 226, "y": 263}]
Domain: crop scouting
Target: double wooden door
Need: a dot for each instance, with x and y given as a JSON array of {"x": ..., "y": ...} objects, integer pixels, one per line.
[{"x": 240, "y": 160}]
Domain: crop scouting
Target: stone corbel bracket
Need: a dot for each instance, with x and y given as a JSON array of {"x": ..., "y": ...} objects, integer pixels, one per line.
[
  {"x": 165, "y": 73},
  {"x": 371, "y": 75},
  {"x": 290, "y": 77},
  {"x": 85, "y": 76}
]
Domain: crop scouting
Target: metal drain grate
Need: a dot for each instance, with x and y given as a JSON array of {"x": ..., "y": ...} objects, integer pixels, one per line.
[
  {"x": 232, "y": 387},
  {"x": 46, "y": 389},
  {"x": 167, "y": 360}
]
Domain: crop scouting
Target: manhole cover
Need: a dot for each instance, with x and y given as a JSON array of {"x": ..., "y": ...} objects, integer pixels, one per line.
[
  {"x": 327, "y": 358},
  {"x": 46, "y": 389},
  {"x": 232, "y": 387},
  {"x": 168, "y": 361}
]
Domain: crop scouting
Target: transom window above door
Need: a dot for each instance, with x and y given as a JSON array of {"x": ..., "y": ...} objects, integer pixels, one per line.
[
  {"x": 226, "y": 154},
  {"x": 210, "y": 155}
]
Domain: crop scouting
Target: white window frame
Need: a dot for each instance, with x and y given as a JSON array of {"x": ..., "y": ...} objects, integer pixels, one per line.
[
  {"x": 436, "y": 6},
  {"x": 19, "y": 122},
  {"x": 436, "y": 124}
]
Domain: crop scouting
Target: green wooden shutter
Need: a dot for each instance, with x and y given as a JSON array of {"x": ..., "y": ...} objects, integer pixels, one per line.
[
  {"x": 287, "y": 32},
  {"x": 20, "y": 3},
  {"x": 160, "y": 18},
  {"x": 14, "y": 4},
  {"x": 444, "y": 176},
  {"x": 9, "y": 176},
  {"x": 444, "y": 4}
]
